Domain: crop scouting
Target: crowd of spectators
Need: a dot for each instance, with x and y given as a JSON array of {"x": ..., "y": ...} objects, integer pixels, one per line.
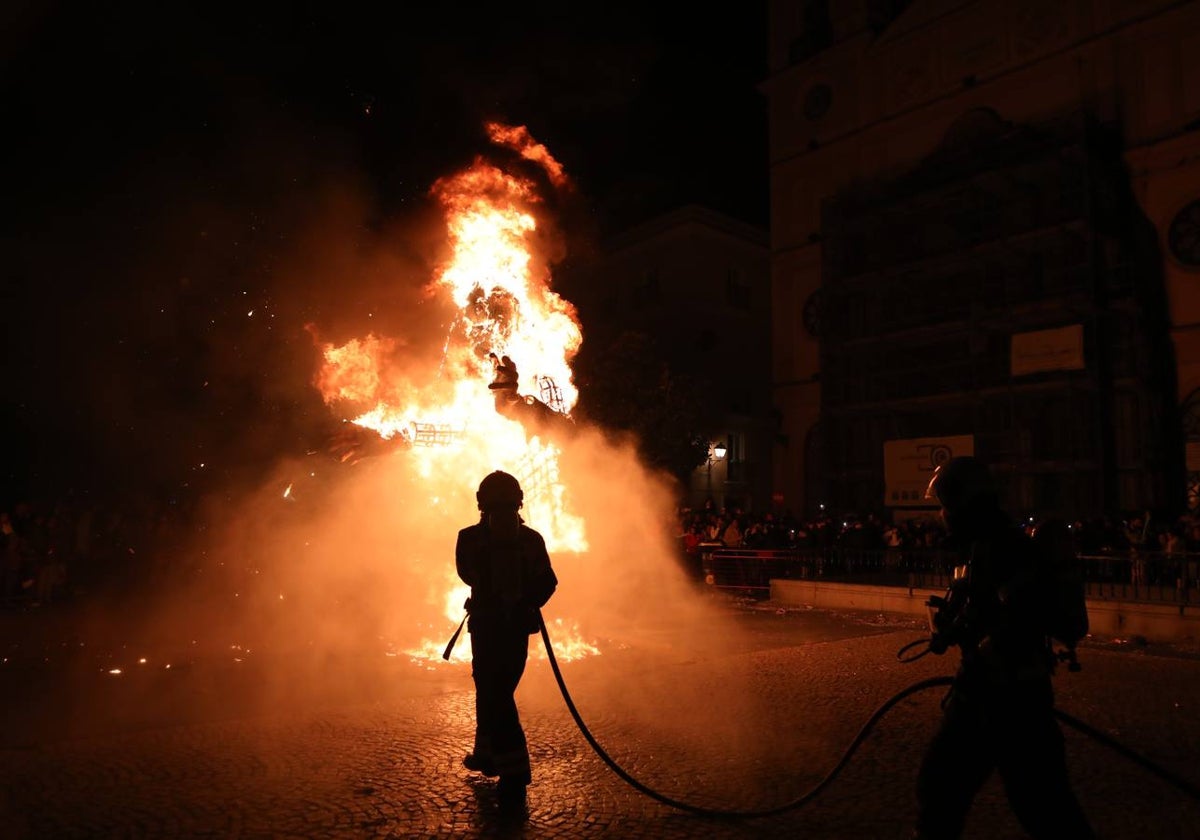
[
  {"x": 53, "y": 551},
  {"x": 56, "y": 550},
  {"x": 1138, "y": 548},
  {"x": 735, "y": 528}
]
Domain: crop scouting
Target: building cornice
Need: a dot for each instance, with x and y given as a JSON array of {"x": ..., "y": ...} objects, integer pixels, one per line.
[
  {"x": 889, "y": 119},
  {"x": 682, "y": 217}
]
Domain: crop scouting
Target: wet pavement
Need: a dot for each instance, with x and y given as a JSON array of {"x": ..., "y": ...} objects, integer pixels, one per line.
[{"x": 372, "y": 746}]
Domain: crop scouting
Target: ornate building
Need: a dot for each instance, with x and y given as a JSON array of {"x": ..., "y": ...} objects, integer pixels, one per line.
[{"x": 986, "y": 238}]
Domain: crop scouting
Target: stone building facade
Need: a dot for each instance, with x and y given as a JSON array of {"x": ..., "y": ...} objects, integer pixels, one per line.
[{"x": 985, "y": 236}]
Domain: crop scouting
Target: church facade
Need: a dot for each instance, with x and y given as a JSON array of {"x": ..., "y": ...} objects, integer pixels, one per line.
[{"x": 985, "y": 238}]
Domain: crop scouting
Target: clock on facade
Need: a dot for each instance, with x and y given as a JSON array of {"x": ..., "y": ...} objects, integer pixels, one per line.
[{"x": 1183, "y": 236}]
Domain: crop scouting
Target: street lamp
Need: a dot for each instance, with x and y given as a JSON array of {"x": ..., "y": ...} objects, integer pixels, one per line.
[{"x": 716, "y": 451}]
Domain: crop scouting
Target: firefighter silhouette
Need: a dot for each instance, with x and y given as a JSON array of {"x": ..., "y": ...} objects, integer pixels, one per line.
[
  {"x": 508, "y": 569},
  {"x": 999, "y": 712}
]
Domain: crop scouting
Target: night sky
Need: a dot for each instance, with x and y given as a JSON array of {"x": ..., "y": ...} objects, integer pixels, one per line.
[{"x": 192, "y": 184}]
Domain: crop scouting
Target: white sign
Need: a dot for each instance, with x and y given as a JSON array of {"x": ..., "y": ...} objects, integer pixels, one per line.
[
  {"x": 1057, "y": 349},
  {"x": 909, "y": 464}
]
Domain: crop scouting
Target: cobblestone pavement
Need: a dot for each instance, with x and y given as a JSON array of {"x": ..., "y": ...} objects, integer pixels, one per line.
[{"x": 751, "y": 727}]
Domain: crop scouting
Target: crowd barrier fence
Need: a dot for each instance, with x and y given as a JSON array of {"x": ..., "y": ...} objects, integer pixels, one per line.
[{"x": 1145, "y": 577}]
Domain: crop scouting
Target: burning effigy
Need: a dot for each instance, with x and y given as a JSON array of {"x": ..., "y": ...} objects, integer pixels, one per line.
[
  {"x": 346, "y": 553},
  {"x": 331, "y": 573},
  {"x": 482, "y": 412}
]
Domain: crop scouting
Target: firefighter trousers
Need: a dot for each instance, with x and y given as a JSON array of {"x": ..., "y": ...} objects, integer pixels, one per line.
[{"x": 499, "y": 654}]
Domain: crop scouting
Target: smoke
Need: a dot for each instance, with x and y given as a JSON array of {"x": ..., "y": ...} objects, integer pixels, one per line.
[{"x": 329, "y": 581}]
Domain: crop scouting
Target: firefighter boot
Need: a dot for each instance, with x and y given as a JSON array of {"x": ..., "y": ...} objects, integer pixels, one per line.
[{"x": 479, "y": 765}]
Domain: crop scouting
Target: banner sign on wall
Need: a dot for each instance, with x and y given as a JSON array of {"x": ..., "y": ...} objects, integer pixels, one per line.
[
  {"x": 909, "y": 464},
  {"x": 1057, "y": 349}
]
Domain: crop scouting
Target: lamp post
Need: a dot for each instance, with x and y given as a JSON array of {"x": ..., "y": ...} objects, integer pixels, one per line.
[{"x": 716, "y": 451}]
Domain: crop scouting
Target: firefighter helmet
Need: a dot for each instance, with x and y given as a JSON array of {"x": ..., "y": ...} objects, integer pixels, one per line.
[
  {"x": 499, "y": 490},
  {"x": 960, "y": 482}
]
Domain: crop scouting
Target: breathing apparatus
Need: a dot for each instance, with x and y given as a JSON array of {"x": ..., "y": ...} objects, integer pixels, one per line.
[{"x": 964, "y": 488}]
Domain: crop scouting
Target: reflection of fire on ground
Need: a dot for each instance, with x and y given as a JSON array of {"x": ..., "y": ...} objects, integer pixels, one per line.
[{"x": 482, "y": 412}]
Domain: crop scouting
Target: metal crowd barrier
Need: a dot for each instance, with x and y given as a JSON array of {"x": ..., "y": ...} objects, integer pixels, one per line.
[{"x": 1149, "y": 577}]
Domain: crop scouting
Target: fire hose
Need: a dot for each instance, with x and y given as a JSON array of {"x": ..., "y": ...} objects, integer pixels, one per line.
[{"x": 1178, "y": 782}]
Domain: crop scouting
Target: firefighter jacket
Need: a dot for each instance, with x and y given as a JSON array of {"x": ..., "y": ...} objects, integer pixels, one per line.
[
  {"x": 1001, "y": 633},
  {"x": 510, "y": 578}
]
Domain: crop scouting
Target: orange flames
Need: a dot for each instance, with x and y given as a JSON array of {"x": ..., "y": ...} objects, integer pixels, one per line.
[{"x": 453, "y": 431}]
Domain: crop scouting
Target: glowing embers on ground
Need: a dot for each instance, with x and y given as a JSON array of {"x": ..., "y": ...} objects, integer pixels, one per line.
[{"x": 453, "y": 427}]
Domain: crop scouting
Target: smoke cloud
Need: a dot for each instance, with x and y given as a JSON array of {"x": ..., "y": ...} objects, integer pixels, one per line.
[{"x": 328, "y": 580}]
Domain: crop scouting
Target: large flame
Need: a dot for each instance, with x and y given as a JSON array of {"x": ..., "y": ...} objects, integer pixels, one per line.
[{"x": 452, "y": 430}]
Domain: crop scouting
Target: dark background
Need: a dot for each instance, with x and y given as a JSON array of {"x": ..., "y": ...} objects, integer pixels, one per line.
[{"x": 192, "y": 185}]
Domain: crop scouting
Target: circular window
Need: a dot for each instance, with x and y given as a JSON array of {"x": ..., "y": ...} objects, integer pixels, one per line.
[
  {"x": 1183, "y": 236},
  {"x": 817, "y": 101}
]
